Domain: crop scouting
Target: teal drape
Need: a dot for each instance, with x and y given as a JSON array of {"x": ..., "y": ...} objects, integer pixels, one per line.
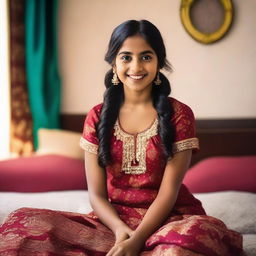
[{"x": 43, "y": 80}]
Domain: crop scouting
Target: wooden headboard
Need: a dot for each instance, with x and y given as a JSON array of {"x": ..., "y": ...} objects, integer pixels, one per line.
[
  {"x": 218, "y": 137},
  {"x": 225, "y": 137}
]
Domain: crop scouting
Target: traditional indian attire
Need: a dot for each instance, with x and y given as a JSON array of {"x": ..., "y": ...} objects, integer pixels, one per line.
[{"x": 133, "y": 180}]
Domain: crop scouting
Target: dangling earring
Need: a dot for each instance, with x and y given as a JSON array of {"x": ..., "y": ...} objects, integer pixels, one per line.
[
  {"x": 157, "y": 81},
  {"x": 115, "y": 80}
]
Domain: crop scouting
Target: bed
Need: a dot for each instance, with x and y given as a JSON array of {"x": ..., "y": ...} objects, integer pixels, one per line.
[{"x": 222, "y": 175}]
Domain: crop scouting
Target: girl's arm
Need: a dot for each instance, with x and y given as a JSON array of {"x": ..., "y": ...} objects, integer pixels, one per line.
[
  {"x": 97, "y": 187},
  {"x": 159, "y": 209}
]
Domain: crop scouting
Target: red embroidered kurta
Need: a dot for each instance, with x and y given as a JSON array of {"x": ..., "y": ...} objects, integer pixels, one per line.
[{"x": 133, "y": 180}]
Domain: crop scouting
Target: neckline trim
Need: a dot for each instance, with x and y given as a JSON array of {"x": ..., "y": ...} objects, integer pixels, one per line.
[{"x": 152, "y": 125}]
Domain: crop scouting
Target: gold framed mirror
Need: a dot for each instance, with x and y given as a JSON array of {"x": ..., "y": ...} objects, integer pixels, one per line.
[{"x": 207, "y": 36}]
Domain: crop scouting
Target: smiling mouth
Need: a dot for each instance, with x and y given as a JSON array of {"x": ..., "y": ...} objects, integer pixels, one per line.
[{"x": 136, "y": 77}]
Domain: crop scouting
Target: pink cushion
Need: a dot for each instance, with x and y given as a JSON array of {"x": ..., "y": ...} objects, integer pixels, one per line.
[
  {"x": 222, "y": 173},
  {"x": 42, "y": 173}
]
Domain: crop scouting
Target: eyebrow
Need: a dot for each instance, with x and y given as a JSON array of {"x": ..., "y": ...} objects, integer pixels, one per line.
[{"x": 142, "y": 53}]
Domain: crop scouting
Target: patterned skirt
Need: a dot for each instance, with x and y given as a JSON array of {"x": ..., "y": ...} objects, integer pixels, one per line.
[{"x": 40, "y": 232}]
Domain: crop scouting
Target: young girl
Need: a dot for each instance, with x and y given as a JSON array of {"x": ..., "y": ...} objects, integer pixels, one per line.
[{"x": 138, "y": 146}]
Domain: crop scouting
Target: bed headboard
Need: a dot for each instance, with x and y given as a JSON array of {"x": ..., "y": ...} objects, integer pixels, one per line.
[
  {"x": 225, "y": 137},
  {"x": 218, "y": 137}
]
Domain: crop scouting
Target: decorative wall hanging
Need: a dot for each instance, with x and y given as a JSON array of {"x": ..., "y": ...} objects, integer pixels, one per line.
[{"x": 206, "y": 21}]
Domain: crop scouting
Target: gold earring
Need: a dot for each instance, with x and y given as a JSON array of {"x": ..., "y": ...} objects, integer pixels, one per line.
[
  {"x": 157, "y": 81},
  {"x": 115, "y": 80}
]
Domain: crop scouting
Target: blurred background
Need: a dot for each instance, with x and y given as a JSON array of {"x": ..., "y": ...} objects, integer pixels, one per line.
[{"x": 52, "y": 62}]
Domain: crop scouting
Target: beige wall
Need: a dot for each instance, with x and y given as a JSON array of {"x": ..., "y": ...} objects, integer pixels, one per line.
[{"x": 217, "y": 81}]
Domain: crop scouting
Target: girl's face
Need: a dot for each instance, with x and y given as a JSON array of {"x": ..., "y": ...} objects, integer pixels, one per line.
[{"x": 136, "y": 64}]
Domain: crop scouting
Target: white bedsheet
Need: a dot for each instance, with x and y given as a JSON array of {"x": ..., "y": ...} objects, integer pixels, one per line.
[{"x": 71, "y": 201}]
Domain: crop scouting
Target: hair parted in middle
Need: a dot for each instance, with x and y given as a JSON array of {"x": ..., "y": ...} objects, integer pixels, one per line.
[{"x": 114, "y": 95}]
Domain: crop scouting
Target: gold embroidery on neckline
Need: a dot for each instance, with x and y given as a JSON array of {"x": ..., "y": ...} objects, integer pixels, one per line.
[{"x": 131, "y": 141}]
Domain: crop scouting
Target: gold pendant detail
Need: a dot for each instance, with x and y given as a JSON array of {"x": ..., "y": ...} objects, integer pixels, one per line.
[{"x": 134, "y": 148}]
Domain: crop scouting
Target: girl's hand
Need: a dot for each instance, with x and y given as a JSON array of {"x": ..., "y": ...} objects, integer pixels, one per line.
[
  {"x": 128, "y": 247},
  {"x": 122, "y": 233}
]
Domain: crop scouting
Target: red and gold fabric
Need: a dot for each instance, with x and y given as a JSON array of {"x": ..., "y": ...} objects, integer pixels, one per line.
[{"x": 133, "y": 180}]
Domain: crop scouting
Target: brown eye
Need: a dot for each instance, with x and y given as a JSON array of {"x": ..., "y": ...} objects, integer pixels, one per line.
[
  {"x": 146, "y": 58},
  {"x": 126, "y": 58}
]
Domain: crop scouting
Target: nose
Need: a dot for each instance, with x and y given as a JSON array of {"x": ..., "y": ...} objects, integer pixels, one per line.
[{"x": 136, "y": 66}]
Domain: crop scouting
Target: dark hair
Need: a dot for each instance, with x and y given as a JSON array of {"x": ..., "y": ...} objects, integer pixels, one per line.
[{"x": 114, "y": 95}]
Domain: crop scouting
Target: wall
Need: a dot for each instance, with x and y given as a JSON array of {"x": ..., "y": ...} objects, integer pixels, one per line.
[{"x": 217, "y": 81}]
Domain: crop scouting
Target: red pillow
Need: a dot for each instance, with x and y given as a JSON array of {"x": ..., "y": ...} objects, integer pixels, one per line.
[
  {"x": 222, "y": 173},
  {"x": 42, "y": 173}
]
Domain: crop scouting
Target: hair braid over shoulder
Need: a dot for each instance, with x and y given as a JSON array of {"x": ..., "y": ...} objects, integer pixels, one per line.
[
  {"x": 113, "y": 98},
  {"x": 164, "y": 110}
]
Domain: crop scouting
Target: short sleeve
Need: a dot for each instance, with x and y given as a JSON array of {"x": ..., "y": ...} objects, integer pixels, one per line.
[
  {"x": 89, "y": 140},
  {"x": 184, "y": 123}
]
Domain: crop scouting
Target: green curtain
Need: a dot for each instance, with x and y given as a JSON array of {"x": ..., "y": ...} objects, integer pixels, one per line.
[{"x": 43, "y": 80}]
